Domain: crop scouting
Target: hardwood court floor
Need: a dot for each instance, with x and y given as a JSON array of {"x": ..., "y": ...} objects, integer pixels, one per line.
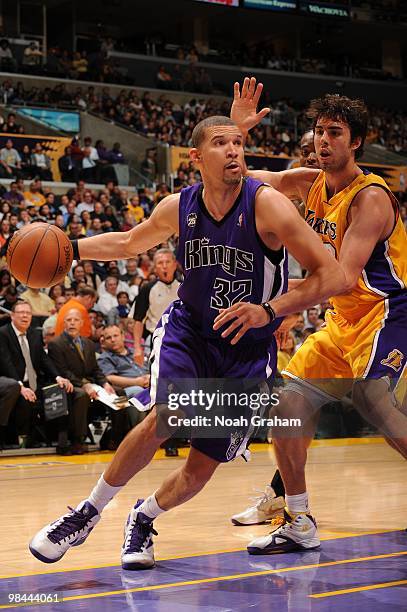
[{"x": 356, "y": 486}]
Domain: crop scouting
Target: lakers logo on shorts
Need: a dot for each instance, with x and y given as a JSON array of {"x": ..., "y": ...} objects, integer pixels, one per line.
[{"x": 394, "y": 360}]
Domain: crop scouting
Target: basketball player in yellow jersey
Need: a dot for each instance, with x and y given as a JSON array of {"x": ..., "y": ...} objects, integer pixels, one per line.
[{"x": 365, "y": 338}]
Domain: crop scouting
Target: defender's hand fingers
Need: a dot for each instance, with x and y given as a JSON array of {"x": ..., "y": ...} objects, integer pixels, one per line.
[
  {"x": 263, "y": 113},
  {"x": 257, "y": 93},
  {"x": 252, "y": 87},
  {"x": 236, "y": 91},
  {"x": 245, "y": 87}
]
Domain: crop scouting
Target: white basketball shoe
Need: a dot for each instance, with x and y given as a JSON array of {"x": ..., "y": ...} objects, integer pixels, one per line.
[
  {"x": 266, "y": 508},
  {"x": 291, "y": 533},
  {"x": 52, "y": 541},
  {"x": 138, "y": 548}
]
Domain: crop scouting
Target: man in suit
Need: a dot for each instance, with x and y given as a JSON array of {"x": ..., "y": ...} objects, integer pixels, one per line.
[
  {"x": 76, "y": 356},
  {"x": 23, "y": 359}
]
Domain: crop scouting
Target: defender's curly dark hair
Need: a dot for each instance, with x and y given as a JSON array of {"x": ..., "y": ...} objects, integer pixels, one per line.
[{"x": 353, "y": 112}]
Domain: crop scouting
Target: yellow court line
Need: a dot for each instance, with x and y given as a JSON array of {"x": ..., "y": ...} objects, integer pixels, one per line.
[
  {"x": 370, "y": 587},
  {"x": 156, "y": 587},
  {"x": 338, "y": 536},
  {"x": 324, "y": 538},
  {"x": 106, "y": 456}
]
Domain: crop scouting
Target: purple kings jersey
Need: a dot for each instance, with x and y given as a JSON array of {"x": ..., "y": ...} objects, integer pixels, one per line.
[{"x": 225, "y": 261}]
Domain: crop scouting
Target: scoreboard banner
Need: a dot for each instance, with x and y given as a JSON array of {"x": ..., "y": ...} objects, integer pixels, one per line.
[
  {"x": 271, "y": 5},
  {"x": 53, "y": 146},
  {"x": 222, "y": 2}
]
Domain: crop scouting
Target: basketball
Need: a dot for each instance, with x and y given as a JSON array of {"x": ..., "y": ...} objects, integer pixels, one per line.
[{"x": 39, "y": 255}]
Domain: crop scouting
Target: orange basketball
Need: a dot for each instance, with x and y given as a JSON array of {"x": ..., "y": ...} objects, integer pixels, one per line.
[{"x": 39, "y": 255}]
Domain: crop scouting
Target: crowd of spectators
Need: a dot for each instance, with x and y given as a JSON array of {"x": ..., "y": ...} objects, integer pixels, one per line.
[
  {"x": 101, "y": 295},
  {"x": 169, "y": 122},
  {"x": 96, "y": 65}
]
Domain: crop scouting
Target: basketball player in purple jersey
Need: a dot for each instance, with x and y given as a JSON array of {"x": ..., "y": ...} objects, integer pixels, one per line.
[{"x": 232, "y": 235}]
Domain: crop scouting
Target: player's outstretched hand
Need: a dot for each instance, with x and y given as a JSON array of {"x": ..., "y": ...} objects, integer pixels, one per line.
[
  {"x": 241, "y": 315},
  {"x": 244, "y": 108}
]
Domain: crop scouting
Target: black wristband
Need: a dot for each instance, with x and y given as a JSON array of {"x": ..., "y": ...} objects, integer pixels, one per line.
[
  {"x": 269, "y": 310},
  {"x": 75, "y": 248}
]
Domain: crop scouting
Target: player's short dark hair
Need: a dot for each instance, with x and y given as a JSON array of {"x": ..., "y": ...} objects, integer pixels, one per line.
[
  {"x": 86, "y": 291},
  {"x": 353, "y": 112},
  {"x": 198, "y": 133}
]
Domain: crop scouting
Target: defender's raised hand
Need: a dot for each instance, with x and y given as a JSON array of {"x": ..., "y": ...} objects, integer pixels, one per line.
[{"x": 244, "y": 108}]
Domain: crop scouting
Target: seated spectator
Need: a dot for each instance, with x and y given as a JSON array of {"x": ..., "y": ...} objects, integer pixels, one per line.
[
  {"x": 68, "y": 211},
  {"x": 162, "y": 192},
  {"x": 163, "y": 78},
  {"x": 135, "y": 208},
  {"x": 79, "y": 65},
  {"x": 5, "y": 281},
  {"x": 121, "y": 311},
  {"x": 86, "y": 221},
  {"x": 41, "y": 163},
  {"x": 90, "y": 169},
  {"x": 84, "y": 302},
  {"x": 75, "y": 355},
  {"x": 5, "y": 210},
  {"x": 10, "y": 161},
  {"x": 108, "y": 299},
  {"x": 41, "y": 304},
  {"x": 32, "y": 55},
  {"x": 111, "y": 223},
  {"x": 96, "y": 227},
  {"x": 7, "y": 61},
  {"x": 78, "y": 275},
  {"x": 312, "y": 316},
  {"x": 56, "y": 291},
  {"x": 117, "y": 364},
  {"x": 7, "y": 300},
  {"x": 14, "y": 197},
  {"x": 92, "y": 278},
  {"x": 68, "y": 167},
  {"x": 131, "y": 270},
  {"x": 48, "y": 332},
  {"x": 27, "y": 169},
  {"x": 75, "y": 230},
  {"x": 23, "y": 219},
  {"x": 128, "y": 221},
  {"x": 11, "y": 127},
  {"x": 149, "y": 165},
  {"x": 35, "y": 195},
  {"x": 45, "y": 214},
  {"x": 115, "y": 156},
  {"x": 5, "y": 232},
  {"x": 285, "y": 352},
  {"x": 23, "y": 359},
  {"x": 298, "y": 329}
]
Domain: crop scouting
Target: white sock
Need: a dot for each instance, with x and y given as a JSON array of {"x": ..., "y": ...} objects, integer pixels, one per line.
[
  {"x": 102, "y": 494},
  {"x": 297, "y": 503},
  {"x": 150, "y": 507}
]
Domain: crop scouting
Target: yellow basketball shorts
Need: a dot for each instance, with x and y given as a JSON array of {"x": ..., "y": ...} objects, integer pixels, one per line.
[{"x": 373, "y": 347}]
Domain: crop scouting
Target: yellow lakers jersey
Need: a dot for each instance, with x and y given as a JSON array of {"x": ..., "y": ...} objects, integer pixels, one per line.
[{"x": 385, "y": 273}]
